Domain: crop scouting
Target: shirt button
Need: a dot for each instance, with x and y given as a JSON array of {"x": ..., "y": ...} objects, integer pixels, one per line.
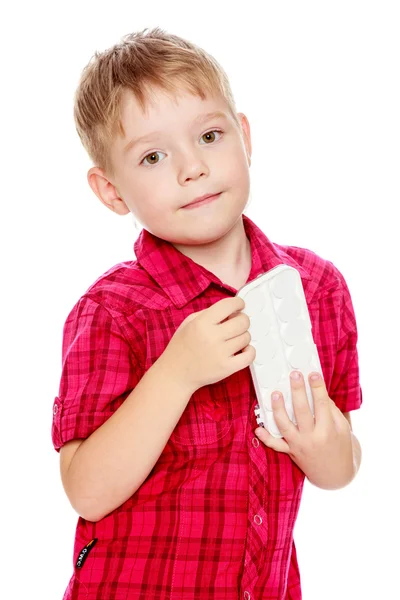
[
  {"x": 258, "y": 519},
  {"x": 246, "y": 595},
  {"x": 55, "y": 409},
  {"x": 255, "y": 442}
]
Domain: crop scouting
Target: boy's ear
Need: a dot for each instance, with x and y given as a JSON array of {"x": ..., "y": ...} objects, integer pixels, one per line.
[
  {"x": 106, "y": 191},
  {"x": 244, "y": 122}
]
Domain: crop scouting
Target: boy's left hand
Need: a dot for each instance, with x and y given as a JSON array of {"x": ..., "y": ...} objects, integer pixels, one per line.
[{"x": 321, "y": 447}]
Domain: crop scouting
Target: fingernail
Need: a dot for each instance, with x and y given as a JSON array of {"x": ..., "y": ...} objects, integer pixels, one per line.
[
  {"x": 314, "y": 376},
  {"x": 295, "y": 375},
  {"x": 275, "y": 397}
]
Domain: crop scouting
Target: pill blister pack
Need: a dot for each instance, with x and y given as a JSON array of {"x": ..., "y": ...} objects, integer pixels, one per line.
[{"x": 281, "y": 333}]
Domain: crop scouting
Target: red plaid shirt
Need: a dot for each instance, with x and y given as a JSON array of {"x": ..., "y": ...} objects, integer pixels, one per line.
[{"x": 214, "y": 519}]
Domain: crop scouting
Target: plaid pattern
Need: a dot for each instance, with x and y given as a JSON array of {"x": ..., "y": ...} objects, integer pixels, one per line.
[{"x": 214, "y": 519}]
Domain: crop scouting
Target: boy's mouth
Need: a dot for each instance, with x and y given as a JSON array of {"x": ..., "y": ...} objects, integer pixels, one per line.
[{"x": 202, "y": 200}]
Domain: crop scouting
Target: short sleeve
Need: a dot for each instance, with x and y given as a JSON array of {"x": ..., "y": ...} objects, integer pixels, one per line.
[
  {"x": 99, "y": 370},
  {"x": 345, "y": 389}
]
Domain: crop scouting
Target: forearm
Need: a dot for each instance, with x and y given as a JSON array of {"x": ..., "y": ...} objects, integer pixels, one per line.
[
  {"x": 112, "y": 463},
  {"x": 334, "y": 475}
]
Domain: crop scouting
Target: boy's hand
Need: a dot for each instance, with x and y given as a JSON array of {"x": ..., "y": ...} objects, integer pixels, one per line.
[
  {"x": 202, "y": 349},
  {"x": 322, "y": 448}
]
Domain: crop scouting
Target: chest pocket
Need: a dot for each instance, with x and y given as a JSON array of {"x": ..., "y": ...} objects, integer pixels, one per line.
[{"x": 207, "y": 417}]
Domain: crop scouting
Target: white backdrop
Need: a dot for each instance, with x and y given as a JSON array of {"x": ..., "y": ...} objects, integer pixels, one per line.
[{"x": 319, "y": 83}]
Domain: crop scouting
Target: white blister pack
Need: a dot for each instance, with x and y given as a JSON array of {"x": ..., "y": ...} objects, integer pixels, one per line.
[{"x": 280, "y": 329}]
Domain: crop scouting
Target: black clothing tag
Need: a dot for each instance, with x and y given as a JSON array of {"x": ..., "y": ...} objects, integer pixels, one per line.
[{"x": 84, "y": 553}]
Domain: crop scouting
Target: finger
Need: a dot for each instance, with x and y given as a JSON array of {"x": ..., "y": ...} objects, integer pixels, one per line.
[
  {"x": 224, "y": 308},
  {"x": 285, "y": 425},
  {"x": 301, "y": 407},
  {"x": 322, "y": 402},
  {"x": 269, "y": 440}
]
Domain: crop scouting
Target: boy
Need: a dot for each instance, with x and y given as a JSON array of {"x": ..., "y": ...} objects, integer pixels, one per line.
[{"x": 154, "y": 419}]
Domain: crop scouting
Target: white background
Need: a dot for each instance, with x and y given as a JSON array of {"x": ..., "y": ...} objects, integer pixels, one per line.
[{"x": 319, "y": 83}]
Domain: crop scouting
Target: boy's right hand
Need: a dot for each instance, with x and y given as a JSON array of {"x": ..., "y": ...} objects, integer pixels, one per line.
[{"x": 202, "y": 349}]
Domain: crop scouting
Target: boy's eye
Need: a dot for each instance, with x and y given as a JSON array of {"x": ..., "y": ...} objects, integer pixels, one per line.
[
  {"x": 155, "y": 152},
  {"x": 211, "y": 133}
]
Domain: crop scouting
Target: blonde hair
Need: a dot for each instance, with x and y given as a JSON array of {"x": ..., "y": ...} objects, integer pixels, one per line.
[{"x": 137, "y": 63}]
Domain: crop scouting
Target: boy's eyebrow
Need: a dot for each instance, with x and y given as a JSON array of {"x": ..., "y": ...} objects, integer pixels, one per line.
[{"x": 199, "y": 119}]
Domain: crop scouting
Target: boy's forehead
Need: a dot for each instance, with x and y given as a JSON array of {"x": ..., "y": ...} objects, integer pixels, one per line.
[{"x": 160, "y": 102}]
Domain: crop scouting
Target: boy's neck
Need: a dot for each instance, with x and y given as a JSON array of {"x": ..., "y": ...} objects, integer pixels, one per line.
[{"x": 229, "y": 257}]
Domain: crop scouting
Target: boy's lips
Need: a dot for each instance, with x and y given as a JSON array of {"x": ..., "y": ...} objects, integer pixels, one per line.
[{"x": 202, "y": 200}]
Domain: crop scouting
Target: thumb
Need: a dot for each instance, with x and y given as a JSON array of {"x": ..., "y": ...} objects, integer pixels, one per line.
[{"x": 278, "y": 444}]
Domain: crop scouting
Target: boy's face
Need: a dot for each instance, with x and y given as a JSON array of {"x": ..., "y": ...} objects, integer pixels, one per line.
[{"x": 155, "y": 178}]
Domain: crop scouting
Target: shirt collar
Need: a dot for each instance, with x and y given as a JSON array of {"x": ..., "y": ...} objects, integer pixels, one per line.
[{"x": 182, "y": 279}]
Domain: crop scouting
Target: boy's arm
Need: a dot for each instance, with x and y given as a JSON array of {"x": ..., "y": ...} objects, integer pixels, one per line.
[
  {"x": 111, "y": 417},
  {"x": 347, "y": 415},
  {"x": 110, "y": 465},
  {"x": 357, "y": 452}
]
